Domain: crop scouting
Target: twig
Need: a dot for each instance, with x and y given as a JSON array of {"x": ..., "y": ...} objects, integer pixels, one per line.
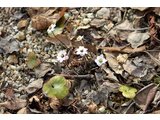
[
  {"x": 153, "y": 58},
  {"x": 134, "y": 29},
  {"x": 123, "y": 49},
  {"x": 87, "y": 76}
]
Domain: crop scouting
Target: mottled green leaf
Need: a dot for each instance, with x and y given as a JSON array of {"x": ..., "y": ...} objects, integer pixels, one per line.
[
  {"x": 56, "y": 87},
  {"x": 32, "y": 60}
]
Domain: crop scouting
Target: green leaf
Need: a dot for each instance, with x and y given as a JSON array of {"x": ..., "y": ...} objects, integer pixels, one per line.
[
  {"x": 56, "y": 87},
  {"x": 32, "y": 60},
  {"x": 127, "y": 91}
]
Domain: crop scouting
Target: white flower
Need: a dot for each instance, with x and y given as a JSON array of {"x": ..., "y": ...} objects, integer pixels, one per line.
[
  {"x": 81, "y": 51},
  {"x": 51, "y": 28},
  {"x": 62, "y": 55},
  {"x": 100, "y": 60}
]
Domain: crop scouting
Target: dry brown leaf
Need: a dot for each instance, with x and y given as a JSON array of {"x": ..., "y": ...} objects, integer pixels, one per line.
[
  {"x": 145, "y": 96},
  {"x": 34, "y": 86},
  {"x": 60, "y": 39},
  {"x": 92, "y": 107},
  {"x": 43, "y": 20},
  {"x": 9, "y": 45},
  {"x": 16, "y": 104},
  {"x": 113, "y": 63},
  {"x": 140, "y": 8},
  {"x": 40, "y": 22},
  {"x": 23, "y": 111},
  {"x": 9, "y": 93},
  {"x": 32, "y": 11},
  {"x": 54, "y": 103},
  {"x": 129, "y": 67},
  {"x": 42, "y": 69},
  {"x": 136, "y": 38},
  {"x": 98, "y": 23}
]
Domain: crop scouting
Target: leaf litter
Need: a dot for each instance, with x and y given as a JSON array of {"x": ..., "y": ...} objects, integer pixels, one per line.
[{"x": 107, "y": 59}]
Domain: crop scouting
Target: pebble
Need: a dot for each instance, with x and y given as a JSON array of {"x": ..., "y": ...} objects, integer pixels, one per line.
[
  {"x": 20, "y": 36},
  {"x": 86, "y": 21},
  {"x": 102, "y": 109},
  {"x": 2, "y": 95},
  {"x": 12, "y": 59},
  {"x": 22, "y": 24},
  {"x": 90, "y": 15},
  {"x": 103, "y": 13}
]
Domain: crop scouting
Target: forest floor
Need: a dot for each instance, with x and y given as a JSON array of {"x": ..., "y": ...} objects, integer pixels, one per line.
[{"x": 79, "y": 60}]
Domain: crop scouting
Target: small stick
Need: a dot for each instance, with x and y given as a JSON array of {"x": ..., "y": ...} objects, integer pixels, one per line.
[
  {"x": 87, "y": 76},
  {"x": 123, "y": 49}
]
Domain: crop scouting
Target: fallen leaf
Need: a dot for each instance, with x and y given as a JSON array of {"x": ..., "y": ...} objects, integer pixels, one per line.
[
  {"x": 9, "y": 93},
  {"x": 32, "y": 60},
  {"x": 9, "y": 45},
  {"x": 23, "y": 111},
  {"x": 32, "y": 11},
  {"x": 14, "y": 105},
  {"x": 42, "y": 69},
  {"x": 145, "y": 96},
  {"x": 122, "y": 58},
  {"x": 136, "y": 38},
  {"x": 140, "y": 72},
  {"x": 54, "y": 103},
  {"x": 60, "y": 39},
  {"x": 127, "y": 91},
  {"x": 112, "y": 87},
  {"x": 129, "y": 67},
  {"x": 92, "y": 107},
  {"x": 35, "y": 105},
  {"x": 140, "y": 8},
  {"x": 113, "y": 63},
  {"x": 103, "y": 13},
  {"x": 40, "y": 22},
  {"x": 98, "y": 23},
  {"x": 34, "y": 86},
  {"x": 126, "y": 25}
]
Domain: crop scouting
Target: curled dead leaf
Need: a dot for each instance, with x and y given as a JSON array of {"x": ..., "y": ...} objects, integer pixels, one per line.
[
  {"x": 41, "y": 70},
  {"x": 54, "y": 103},
  {"x": 60, "y": 39},
  {"x": 145, "y": 96},
  {"x": 113, "y": 63},
  {"x": 34, "y": 86}
]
